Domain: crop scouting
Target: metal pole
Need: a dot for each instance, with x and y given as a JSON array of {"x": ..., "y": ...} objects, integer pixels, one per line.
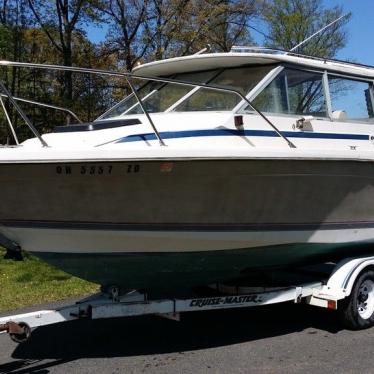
[
  {"x": 317, "y": 32},
  {"x": 38, "y": 103},
  {"x": 291, "y": 145},
  {"x": 206, "y": 49},
  {"x": 146, "y": 112},
  {"x": 9, "y": 121},
  {"x": 22, "y": 114}
]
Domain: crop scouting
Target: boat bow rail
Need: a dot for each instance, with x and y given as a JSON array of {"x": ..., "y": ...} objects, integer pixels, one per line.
[{"x": 128, "y": 77}]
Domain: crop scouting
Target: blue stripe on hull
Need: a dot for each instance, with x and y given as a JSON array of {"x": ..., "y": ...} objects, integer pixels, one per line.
[{"x": 231, "y": 132}]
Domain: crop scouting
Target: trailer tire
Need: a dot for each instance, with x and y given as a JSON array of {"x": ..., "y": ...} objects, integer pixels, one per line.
[{"x": 356, "y": 311}]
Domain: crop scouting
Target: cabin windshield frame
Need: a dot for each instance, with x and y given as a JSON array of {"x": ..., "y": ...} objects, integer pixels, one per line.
[{"x": 212, "y": 74}]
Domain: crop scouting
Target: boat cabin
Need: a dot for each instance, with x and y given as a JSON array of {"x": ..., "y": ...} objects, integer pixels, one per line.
[
  {"x": 276, "y": 83},
  {"x": 248, "y": 98}
]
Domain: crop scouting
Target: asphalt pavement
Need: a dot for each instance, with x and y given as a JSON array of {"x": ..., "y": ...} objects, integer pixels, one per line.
[{"x": 283, "y": 338}]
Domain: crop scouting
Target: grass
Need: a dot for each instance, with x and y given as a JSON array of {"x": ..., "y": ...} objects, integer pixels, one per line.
[{"x": 32, "y": 282}]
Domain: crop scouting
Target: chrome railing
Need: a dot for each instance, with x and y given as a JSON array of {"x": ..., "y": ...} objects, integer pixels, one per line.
[
  {"x": 22, "y": 114},
  {"x": 128, "y": 77},
  {"x": 33, "y": 102},
  {"x": 9, "y": 120},
  {"x": 45, "y": 105}
]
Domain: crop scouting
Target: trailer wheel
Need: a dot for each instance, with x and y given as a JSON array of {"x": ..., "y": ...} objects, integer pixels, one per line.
[
  {"x": 21, "y": 338},
  {"x": 357, "y": 311}
]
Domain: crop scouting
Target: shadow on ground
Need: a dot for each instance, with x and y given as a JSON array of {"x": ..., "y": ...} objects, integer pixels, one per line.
[{"x": 75, "y": 340}]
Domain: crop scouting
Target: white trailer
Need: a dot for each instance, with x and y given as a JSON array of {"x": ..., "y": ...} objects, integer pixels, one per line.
[{"x": 349, "y": 288}]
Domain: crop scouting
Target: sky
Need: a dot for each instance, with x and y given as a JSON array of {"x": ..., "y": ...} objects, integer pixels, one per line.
[{"x": 360, "y": 29}]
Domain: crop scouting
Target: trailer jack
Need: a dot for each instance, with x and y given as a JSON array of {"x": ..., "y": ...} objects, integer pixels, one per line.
[{"x": 18, "y": 332}]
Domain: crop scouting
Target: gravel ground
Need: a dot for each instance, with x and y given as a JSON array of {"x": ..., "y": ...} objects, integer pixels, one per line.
[{"x": 283, "y": 338}]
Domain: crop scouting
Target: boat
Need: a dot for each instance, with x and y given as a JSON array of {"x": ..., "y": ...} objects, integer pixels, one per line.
[{"x": 217, "y": 166}]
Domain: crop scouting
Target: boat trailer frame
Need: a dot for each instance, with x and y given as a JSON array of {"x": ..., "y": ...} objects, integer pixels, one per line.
[
  {"x": 325, "y": 293},
  {"x": 101, "y": 306}
]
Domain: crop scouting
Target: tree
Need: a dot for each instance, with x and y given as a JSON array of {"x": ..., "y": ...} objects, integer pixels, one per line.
[
  {"x": 126, "y": 19},
  {"x": 13, "y": 23},
  {"x": 89, "y": 100},
  {"x": 292, "y": 21},
  {"x": 142, "y": 30},
  {"x": 190, "y": 26},
  {"x": 164, "y": 26},
  {"x": 228, "y": 22},
  {"x": 23, "y": 39},
  {"x": 59, "y": 24}
]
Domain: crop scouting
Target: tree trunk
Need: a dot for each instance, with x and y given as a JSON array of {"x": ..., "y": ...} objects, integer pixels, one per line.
[{"x": 67, "y": 58}]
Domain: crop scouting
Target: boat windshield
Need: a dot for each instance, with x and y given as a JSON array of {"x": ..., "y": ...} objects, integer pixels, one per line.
[
  {"x": 240, "y": 79},
  {"x": 161, "y": 97}
]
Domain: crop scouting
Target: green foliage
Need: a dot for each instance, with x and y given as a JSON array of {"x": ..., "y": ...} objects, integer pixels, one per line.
[
  {"x": 292, "y": 21},
  {"x": 142, "y": 30},
  {"x": 227, "y": 22},
  {"x": 5, "y": 37}
]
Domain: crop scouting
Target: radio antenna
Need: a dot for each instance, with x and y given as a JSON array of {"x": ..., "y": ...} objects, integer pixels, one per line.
[{"x": 318, "y": 32}]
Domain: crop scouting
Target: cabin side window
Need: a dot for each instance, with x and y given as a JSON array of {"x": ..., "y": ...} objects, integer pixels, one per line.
[
  {"x": 293, "y": 92},
  {"x": 351, "y": 100}
]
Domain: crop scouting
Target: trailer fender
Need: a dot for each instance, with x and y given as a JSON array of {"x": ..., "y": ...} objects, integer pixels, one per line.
[{"x": 343, "y": 277}]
